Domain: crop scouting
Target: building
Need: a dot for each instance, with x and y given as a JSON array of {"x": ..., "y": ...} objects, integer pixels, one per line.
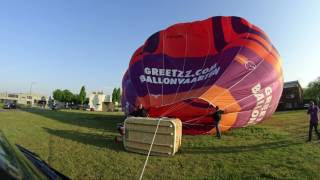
[
  {"x": 99, "y": 101},
  {"x": 23, "y": 98},
  {"x": 292, "y": 96}
]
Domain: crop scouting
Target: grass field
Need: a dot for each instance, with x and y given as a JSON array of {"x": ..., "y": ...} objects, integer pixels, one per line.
[{"x": 80, "y": 145}]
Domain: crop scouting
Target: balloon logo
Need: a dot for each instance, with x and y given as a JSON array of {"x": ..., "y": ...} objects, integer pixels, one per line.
[
  {"x": 187, "y": 69},
  {"x": 250, "y": 65}
]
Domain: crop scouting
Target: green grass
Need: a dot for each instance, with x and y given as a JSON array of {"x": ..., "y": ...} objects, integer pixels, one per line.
[{"x": 80, "y": 145}]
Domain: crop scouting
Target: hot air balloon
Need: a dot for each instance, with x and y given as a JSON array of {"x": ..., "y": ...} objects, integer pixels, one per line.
[{"x": 187, "y": 69}]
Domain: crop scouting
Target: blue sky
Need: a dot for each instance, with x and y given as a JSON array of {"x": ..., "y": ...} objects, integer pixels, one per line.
[{"x": 69, "y": 43}]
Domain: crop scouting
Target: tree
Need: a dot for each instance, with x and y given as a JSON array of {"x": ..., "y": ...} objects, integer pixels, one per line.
[
  {"x": 114, "y": 95},
  {"x": 313, "y": 90},
  {"x": 118, "y": 95},
  {"x": 82, "y": 95},
  {"x": 86, "y": 101},
  {"x": 58, "y": 95},
  {"x": 67, "y": 96},
  {"x": 50, "y": 101},
  {"x": 76, "y": 99}
]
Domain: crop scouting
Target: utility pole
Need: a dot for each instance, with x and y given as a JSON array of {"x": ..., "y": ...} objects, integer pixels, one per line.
[{"x": 30, "y": 92}]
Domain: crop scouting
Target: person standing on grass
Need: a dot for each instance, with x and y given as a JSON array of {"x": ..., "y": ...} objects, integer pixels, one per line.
[
  {"x": 313, "y": 112},
  {"x": 216, "y": 120}
]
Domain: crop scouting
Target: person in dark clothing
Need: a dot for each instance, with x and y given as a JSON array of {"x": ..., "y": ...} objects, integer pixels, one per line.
[
  {"x": 121, "y": 130},
  {"x": 313, "y": 112},
  {"x": 140, "y": 112},
  {"x": 216, "y": 120}
]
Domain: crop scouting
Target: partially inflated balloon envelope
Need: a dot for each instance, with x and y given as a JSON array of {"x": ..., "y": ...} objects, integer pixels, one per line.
[{"x": 188, "y": 69}]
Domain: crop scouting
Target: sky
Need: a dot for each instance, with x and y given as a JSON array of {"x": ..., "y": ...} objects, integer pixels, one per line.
[{"x": 69, "y": 43}]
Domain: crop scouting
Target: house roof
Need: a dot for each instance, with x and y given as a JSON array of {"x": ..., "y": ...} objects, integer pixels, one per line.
[{"x": 291, "y": 84}]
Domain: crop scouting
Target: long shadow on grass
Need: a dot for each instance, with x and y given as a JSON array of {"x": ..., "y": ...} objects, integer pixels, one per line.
[
  {"x": 103, "y": 141},
  {"x": 83, "y": 119},
  {"x": 236, "y": 149}
]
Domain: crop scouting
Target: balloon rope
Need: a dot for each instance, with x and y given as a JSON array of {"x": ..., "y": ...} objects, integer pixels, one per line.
[
  {"x": 146, "y": 162},
  {"x": 241, "y": 47},
  {"x": 232, "y": 87},
  {"x": 224, "y": 71},
  {"x": 221, "y": 124},
  {"x": 172, "y": 109},
  {"x": 245, "y": 97},
  {"x": 163, "y": 56},
  {"x": 228, "y": 89},
  {"x": 146, "y": 82},
  {"x": 223, "y": 92},
  {"x": 205, "y": 61},
  {"x": 207, "y": 80},
  {"x": 184, "y": 63},
  {"x": 199, "y": 118}
]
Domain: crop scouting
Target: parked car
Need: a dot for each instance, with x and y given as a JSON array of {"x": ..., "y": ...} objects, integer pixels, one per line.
[
  {"x": 17, "y": 162},
  {"x": 86, "y": 107},
  {"x": 9, "y": 106},
  {"x": 75, "y": 106}
]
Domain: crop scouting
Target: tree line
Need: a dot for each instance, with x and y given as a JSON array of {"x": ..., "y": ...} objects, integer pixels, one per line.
[
  {"x": 312, "y": 91},
  {"x": 67, "y": 96}
]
